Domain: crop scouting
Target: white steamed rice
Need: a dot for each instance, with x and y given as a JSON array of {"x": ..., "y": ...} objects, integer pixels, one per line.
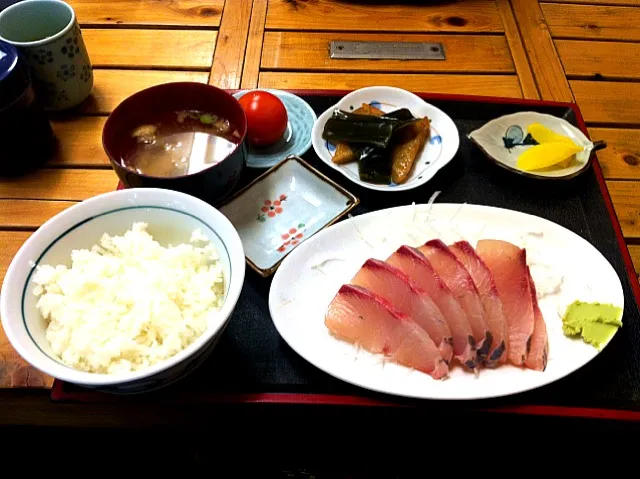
[{"x": 128, "y": 302}]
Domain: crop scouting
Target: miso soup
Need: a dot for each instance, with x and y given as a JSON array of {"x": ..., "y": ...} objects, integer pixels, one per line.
[{"x": 180, "y": 143}]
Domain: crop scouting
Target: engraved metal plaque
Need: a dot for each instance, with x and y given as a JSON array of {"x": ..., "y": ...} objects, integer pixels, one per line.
[{"x": 340, "y": 49}]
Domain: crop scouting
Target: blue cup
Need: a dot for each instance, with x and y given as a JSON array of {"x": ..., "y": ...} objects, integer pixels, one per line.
[{"x": 26, "y": 136}]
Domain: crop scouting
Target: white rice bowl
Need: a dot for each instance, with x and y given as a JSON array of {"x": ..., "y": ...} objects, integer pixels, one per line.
[{"x": 172, "y": 219}]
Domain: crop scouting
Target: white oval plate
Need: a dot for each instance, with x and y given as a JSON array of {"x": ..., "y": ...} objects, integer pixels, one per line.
[
  {"x": 309, "y": 278},
  {"x": 490, "y": 140},
  {"x": 441, "y": 147}
]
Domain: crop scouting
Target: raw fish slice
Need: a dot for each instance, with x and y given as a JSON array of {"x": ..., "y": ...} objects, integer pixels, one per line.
[
  {"x": 508, "y": 264},
  {"x": 539, "y": 350},
  {"x": 365, "y": 319},
  {"x": 396, "y": 287},
  {"x": 486, "y": 286},
  {"x": 413, "y": 263},
  {"x": 458, "y": 280}
]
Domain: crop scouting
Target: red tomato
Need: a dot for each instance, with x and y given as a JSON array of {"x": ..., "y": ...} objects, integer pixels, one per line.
[{"x": 266, "y": 117}]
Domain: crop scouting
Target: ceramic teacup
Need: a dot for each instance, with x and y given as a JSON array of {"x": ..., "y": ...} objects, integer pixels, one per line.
[{"x": 49, "y": 39}]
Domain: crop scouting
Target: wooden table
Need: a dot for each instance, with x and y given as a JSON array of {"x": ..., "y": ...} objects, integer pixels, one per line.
[{"x": 569, "y": 50}]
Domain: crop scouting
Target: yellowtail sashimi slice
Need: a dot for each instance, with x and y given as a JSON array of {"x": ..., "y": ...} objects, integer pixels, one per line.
[
  {"x": 414, "y": 264},
  {"x": 508, "y": 265},
  {"x": 396, "y": 287},
  {"x": 458, "y": 280},
  {"x": 365, "y": 319},
  {"x": 539, "y": 344},
  {"x": 488, "y": 293}
]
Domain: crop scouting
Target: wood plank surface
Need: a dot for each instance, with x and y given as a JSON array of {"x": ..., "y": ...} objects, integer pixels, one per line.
[
  {"x": 456, "y": 16},
  {"x": 29, "y": 214},
  {"x": 518, "y": 53},
  {"x": 304, "y": 51},
  {"x": 14, "y": 371},
  {"x": 634, "y": 250},
  {"x": 621, "y": 159},
  {"x": 59, "y": 184},
  {"x": 204, "y": 13},
  {"x": 489, "y": 85},
  {"x": 226, "y": 71},
  {"x": 113, "y": 86},
  {"x": 253, "y": 52},
  {"x": 182, "y": 49},
  {"x": 593, "y": 22},
  {"x": 11, "y": 242},
  {"x": 608, "y": 60},
  {"x": 624, "y": 195},
  {"x": 80, "y": 142},
  {"x": 608, "y": 102},
  {"x": 543, "y": 58},
  {"x": 632, "y": 3}
]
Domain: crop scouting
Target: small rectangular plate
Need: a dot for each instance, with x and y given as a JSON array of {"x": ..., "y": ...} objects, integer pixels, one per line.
[
  {"x": 386, "y": 50},
  {"x": 281, "y": 208}
]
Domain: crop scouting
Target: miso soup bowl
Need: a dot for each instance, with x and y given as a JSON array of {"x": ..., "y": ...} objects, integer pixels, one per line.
[
  {"x": 213, "y": 184},
  {"x": 171, "y": 217}
]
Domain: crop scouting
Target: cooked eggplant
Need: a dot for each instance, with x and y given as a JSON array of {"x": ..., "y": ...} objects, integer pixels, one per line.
[
  {"x": 355, "y": 128},
  {"x": 406, "y": 146},
  {"x": 374, "y": 165},
  {"x": 344, "y": 153},
  {"x": 384, "y": 144},
  {"x": 402, "y": 114}
]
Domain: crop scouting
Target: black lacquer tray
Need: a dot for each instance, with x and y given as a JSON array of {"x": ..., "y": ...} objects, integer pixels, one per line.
[{"x": 252, "y": 364}]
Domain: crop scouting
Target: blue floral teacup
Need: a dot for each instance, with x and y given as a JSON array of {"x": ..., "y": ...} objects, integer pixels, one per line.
[{"x": 49, "y": 39}]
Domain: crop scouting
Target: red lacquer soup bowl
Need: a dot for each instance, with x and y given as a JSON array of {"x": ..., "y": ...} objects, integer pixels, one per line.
[{"x": 148, "y": 109}]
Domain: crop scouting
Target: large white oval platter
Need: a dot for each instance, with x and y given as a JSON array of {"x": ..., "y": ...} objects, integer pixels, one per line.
[{"x": 309, "y": 278}]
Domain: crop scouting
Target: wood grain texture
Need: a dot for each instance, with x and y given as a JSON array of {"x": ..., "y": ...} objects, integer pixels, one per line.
[
  {"x": 59, "y": 184},
  {"x": 518, "y": 53},
  {"x": 17, "y": 373},
  {"x": 204, "y": 13},
  {"x": 490, "y": 85},
  {"x": 113, "y": 86},
  {"x": 608, "y": 60},
  {"x": 253, "y": 52},
  {"x": 632, "y": 3},
  {"x": 593, "y": 22},
  {"x": 11, "y": 242},
  {"x": 29, "y": 214},
  {"x": 80, "y": 142},
  {"x": 621, "y": 159},
  {"x": 625, "y": 196},
  {"x": 183, "y": 49},
  {"x": 634, "y": 250},
  {"x": 543, "y": 58},
  {"x": 608, "y": 102},
  {"x": 226, "y": 71},
  {"x": 457, "y": 16},
  {"x": 304, "y": 51},
  {"x": 14, "y": 371}
]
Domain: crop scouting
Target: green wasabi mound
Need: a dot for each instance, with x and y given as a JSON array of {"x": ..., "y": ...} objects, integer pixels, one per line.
[{"x": 596, "y": 323}]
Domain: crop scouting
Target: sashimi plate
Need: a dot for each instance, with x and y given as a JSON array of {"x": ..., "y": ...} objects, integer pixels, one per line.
[{"x": 564, "y": 266}]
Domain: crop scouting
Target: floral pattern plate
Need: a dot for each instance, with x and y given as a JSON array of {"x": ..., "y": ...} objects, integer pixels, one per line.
[
  {"x": 296, "y": 139},
  {"x": 439, "y": 150},
  {"x": 504, "y": 139},
  {"x": 282, "y": 208}
]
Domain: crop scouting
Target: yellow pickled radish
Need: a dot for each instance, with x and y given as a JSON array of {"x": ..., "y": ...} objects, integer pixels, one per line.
[
  {"x": 547, "y": 154},
  {"x": 542, "y": 134}
]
